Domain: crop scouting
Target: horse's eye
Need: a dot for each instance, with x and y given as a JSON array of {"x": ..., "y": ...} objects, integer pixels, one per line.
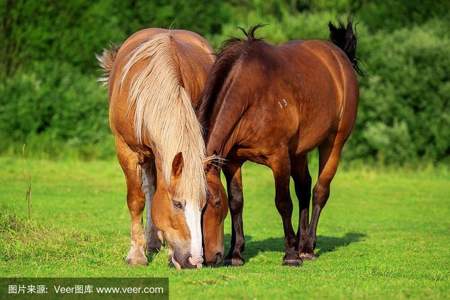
[
  {"x": 217, "y": 202},
  {"x": 177, "y": 204}
]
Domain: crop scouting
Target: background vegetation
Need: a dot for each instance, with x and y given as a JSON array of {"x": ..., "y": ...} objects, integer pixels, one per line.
[{"x": 50, "y": 100}]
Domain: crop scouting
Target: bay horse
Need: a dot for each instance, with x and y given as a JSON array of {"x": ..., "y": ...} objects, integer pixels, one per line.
[
  {"x": 272, "y": 105},
  {"x": 155, "y": 80}
]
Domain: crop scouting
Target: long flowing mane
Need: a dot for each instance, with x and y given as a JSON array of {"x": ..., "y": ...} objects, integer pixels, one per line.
[
  {"x": 227, "y": 57},
  {"x": 163, "y": 113}
]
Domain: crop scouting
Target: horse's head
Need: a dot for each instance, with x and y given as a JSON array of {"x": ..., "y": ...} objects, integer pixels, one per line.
[
  {"x": 178, "y": 219},
  {"x": 214, "y": 215}
]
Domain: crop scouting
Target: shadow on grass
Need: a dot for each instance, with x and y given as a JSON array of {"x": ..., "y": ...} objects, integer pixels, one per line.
[
  {"x": 324, "y": 244},
  {"x": 330, "y": 243}
]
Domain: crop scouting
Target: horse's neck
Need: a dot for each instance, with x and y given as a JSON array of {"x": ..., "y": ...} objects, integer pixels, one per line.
[{"x": 222, "y": 126}]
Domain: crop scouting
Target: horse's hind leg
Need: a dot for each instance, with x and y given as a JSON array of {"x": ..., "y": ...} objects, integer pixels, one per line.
[
  {"x": 280, "y": 166},
  {"x": 148, "y": 187},
  {"x": 236, "y": 202},
  {"x": 302, "y": 180},
  {"x": 129, "y": 162},
  {"x": 329, "y": 155}
]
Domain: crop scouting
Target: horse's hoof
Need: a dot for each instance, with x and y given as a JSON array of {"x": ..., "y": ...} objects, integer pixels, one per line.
[
  {"x": 136, "y": 258},
  {"x": 137, "y": 261},
  {"x": 234, "y": 261},
  {"x": 307, "y": 256},
  {"x": 292, "y": 262}
]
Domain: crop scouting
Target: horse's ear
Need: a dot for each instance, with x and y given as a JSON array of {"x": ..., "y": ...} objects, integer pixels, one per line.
[{"x": 177, "y": 168}]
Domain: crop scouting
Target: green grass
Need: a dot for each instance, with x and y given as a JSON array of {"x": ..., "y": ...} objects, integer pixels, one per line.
[{"x": 383, "y": 234}]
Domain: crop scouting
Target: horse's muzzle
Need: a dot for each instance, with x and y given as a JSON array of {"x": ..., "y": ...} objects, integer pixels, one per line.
[{"x": 186, "y": 261}]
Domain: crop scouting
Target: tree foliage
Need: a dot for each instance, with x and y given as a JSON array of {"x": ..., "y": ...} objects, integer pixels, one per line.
[{"x": 49, "y": 98}]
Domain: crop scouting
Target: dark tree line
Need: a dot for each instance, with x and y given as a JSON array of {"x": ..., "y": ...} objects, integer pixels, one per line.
[{"x": 50, "y": 100}]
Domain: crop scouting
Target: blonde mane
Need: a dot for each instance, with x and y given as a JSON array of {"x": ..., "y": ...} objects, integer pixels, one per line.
[{"x": 164, "y": 114}]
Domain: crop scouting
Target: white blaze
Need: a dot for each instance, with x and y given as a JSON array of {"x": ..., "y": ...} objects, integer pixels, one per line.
[{"x": 193, "y": 219}]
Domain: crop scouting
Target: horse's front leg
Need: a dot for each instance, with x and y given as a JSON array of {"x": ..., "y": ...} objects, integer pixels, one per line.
[
  {"x": 148, "y": 187},
  {"x": 280, "y": 166},
  {"x": 233, "y": 176},
  {"x": 129, "y": 162}
]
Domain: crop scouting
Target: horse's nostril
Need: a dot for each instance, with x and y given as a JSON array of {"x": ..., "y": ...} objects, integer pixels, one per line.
[{"x": 196, "y": 261}]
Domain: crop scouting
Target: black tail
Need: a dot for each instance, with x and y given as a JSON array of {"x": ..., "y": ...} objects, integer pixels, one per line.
[{"x": 345, "y": 38}]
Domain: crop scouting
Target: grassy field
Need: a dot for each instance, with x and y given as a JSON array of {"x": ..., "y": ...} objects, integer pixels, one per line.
[{"x": 384, "y": 234}]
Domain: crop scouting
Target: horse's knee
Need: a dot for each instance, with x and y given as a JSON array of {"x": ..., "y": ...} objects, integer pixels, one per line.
[
  {"x": 304, "y": 188},
  {"x": 321, "y": 193},
  {"x": 306, "y": 181},
  {"x": 135, "y": 203},
  {"x": 236, "y": 204},
  {"x": 284, "y": 206}
]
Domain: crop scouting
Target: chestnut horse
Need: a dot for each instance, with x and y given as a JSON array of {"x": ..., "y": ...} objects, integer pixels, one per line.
[
  {"x": 155, "y": 81},
  {"x": 272, "y": 105}
]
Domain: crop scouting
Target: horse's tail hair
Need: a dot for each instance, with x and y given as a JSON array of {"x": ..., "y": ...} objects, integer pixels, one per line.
[
  {"x": 344, "y": 36},
  {"x": 106, "y": 62}
]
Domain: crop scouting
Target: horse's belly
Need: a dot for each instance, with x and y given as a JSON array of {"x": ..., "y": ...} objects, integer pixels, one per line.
[{"x": 256, "y": 155}]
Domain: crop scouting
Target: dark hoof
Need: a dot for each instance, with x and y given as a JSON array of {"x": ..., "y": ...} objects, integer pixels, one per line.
[
  {"x": 308, "y": 256},
  {"x": 234, "y": 261},
  {"x": 292, "y": 261}
]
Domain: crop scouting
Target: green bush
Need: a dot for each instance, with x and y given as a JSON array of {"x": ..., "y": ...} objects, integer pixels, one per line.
[
  {"x": 50, "y": 105},
  {"x": 403, "y": 112},
  {"x": 50, "y": 100}
]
